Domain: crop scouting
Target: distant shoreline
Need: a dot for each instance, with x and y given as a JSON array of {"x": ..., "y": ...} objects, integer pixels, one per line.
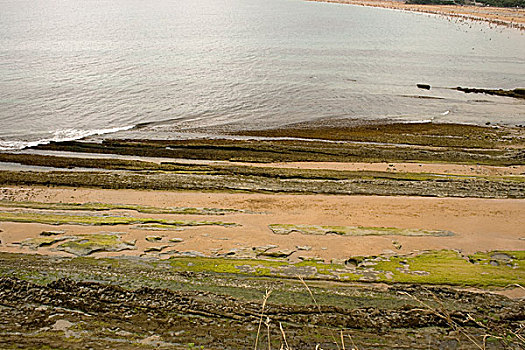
[{"x": 508, "y": 17}]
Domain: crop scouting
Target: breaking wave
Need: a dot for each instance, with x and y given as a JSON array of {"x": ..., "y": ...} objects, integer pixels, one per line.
[{"x": 59, "y": 136}]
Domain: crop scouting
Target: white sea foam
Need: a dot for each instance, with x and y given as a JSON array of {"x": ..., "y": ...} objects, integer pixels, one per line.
[
  {"x": 422, "y": 121},
  {"x": 59, "y": 136}
]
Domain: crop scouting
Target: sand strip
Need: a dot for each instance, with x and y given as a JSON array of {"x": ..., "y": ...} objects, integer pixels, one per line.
[{"x": 477, "y": 224}]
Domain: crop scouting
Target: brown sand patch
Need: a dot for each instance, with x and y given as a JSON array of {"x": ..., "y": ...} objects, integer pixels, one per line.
[{"x": 478, "y": 224}]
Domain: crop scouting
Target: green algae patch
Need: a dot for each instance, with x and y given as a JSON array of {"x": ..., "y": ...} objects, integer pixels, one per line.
[
  {"x": 514, "y": 259},
  {"x": 321, "y": 267},
  {"x": 108, "y": 206},
  {"x": 445, "y": 267},
  {"x": 449, "y": 267},
  {"x": 221, "y": 265},
  {"x": 126, "y": 303},
  {"x": 425, "y": 134},
  {"x": 156, "y": 227},
  {"x": 285, "y": 229},
  {"x": 61, "y": 219},
  {"x": 83, "y": 245},
  {"x": 39, "y": 242}
]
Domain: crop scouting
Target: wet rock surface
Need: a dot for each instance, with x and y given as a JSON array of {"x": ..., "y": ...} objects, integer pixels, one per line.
[
  {"x": 516, "y": 93},
  {"x": 139, "y": 313},
  {"x": 445, "y": 187},
  {"x": 285, "y": 229},
  {"x": 35, "y": 243},
  {"x": 83, "y": 245},
  {"x": 220, "y": 312}
]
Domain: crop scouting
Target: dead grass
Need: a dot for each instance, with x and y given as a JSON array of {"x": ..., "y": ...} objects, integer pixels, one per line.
[{"x": 440, "y": 312}]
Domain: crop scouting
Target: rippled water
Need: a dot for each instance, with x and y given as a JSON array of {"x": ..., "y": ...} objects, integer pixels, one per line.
[{"x": 70, "y": 68}]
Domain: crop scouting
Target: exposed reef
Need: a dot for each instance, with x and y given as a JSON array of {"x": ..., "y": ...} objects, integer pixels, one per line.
[
  {"x": 516, "y": 93},
  {"x": 285, "y": 229}
]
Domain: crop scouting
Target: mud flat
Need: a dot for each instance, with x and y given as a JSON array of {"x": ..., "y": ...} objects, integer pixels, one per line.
[{"x": 385, "y": 236}]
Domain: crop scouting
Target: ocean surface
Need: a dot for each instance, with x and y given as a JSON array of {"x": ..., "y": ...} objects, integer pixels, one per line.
[{"x": 72, "y": 68}]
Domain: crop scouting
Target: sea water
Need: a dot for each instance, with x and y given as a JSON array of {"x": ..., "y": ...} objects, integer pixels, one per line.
[{"x": 71, "y": 69}]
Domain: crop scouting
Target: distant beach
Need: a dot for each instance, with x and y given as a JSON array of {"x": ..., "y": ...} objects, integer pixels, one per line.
[{"x": 509, "y": 17}]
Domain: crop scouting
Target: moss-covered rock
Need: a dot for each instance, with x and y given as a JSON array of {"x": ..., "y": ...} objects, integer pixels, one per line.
[
  {"x": 83, "y": 245},
  {"x": 285, "y": 229},
  {"x": 39, "y": 242},
  {"x": 96, "y": 220}
]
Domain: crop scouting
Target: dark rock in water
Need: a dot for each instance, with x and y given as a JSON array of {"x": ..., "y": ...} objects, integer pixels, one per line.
[
  {"x": 516, "y": 93},
  {"x": 423, "y": 86},
  {"x": 520, "y": 91}
]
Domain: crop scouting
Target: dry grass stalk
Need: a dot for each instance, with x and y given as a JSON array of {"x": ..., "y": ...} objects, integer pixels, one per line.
[
  {"x": 284, "y": 337},
  {"x": 354, "y": 347},
  {"x": 265, "y": 299},
  {"x": 319, "y": 309},
  {"x": 519, "y": 336},
  {"x": 446, "y": 316},
  {"x": 267, "y": 323}
]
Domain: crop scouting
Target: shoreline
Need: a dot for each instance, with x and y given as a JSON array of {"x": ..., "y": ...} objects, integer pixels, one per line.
[
  {"x": 223, "y": 134},
  {"x": 499, "y": 16}
]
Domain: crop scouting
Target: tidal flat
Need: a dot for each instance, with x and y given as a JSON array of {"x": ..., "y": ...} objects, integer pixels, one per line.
[
  {"x": 259, "y": 165},
  {"x": 384, "y": 236}
]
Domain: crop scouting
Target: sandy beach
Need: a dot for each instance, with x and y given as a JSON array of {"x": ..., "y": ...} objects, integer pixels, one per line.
[
  {"x": 477, "y": 224},
  {"x": 509, "y": 17},
  {"x": 478, "y": 204}
]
